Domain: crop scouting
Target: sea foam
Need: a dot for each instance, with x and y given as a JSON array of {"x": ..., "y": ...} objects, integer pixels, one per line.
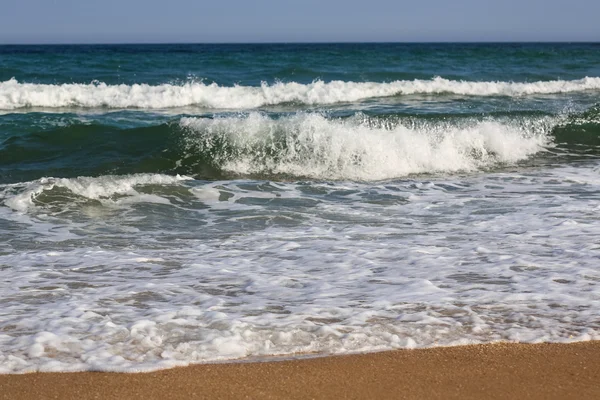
[
  {"x": 14, "y": 95},
  {"x": 21, "y": 196},
  {"x": 358, "y": 148},
  {"x": 270, "y": 269}
]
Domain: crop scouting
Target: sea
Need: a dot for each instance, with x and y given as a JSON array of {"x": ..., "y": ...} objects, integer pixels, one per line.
[{"x": 163, "y": 205}]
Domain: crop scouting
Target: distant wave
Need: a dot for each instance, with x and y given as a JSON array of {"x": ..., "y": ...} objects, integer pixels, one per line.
[{"x": 15, "y": 95}]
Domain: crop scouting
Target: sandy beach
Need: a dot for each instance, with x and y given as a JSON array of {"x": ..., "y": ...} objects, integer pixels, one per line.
[{"x": 495, "y": 371}]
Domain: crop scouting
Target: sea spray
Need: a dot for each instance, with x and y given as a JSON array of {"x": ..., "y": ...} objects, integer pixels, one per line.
[{"x": 359, "y": 148}]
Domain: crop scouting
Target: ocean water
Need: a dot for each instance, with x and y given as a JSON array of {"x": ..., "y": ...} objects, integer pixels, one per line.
[{"x": 162, "y": 205}]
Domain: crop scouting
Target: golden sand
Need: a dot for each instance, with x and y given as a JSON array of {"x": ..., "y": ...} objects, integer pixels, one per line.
[{"x": 495, "y": 371}]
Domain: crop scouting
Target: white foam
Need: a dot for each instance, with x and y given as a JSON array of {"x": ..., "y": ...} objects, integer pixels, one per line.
[
  {"x": 287, "y": 268},
  {"x": 14, "y": 95},
  {"x": 310, "y": 145},
  {"x": 20, "y": 197}
]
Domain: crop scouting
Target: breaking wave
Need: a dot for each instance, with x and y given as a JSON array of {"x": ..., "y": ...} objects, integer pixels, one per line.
[
  {"x": 105, "y": 189},
  {"x": 358, "y": 148},
  {"x": 300, "y": 146},
  {"x": 15, "y": 95}
]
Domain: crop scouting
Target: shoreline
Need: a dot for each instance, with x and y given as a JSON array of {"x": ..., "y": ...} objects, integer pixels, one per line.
[{"x": 498, "y": 370}]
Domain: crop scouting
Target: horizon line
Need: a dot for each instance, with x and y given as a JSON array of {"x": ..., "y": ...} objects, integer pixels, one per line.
[{"x": 301, "y": 42}]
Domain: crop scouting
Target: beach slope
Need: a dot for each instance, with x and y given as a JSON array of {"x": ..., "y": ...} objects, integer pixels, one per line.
[{"x": 494, "y": 371}]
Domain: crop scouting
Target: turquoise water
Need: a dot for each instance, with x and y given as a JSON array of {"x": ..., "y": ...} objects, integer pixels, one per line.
[{"x": 168, "y": 204}]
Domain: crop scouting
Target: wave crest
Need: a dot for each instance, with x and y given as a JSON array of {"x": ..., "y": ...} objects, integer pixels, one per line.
[
  {"x": 359, "y": 148},
  {"x": 109, "y": 188},
  {"x": 15, "y": 95}
]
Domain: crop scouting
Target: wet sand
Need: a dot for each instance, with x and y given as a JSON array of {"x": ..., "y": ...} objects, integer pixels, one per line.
[{"x": 496, "y": 371}]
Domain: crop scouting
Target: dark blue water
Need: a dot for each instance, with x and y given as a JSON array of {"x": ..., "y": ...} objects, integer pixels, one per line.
[
  {"x": 117, "y": 107},
  {"x": 246, "y": 64}
]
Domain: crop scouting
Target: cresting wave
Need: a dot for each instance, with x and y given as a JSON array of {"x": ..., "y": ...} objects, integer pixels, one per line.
[
  {"x": 300, "y": 146},
  {"x": 109, "y": 190},
  {"x": 15, "y": 95},
  {"x": 358, "y": 148}
]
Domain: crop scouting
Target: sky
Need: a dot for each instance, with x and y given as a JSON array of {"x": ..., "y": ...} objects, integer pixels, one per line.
[{"x": 154, "y": 21}]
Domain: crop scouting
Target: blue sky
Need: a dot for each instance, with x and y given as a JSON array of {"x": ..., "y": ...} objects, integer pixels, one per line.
[{"x": 109, "y": 21}]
